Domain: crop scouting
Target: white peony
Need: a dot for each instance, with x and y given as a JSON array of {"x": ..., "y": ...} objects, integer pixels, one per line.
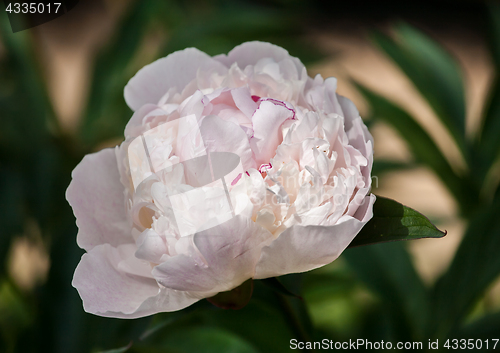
[{"x": 236, "y": 166}]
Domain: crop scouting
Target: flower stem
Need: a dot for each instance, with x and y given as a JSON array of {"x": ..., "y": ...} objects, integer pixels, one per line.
[{"x": 293, "y": 319}]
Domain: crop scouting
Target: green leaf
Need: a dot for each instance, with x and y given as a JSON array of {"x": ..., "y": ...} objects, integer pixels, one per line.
[
  {"x": 277, "y": 286},
  {"x": 435, "y": 74},
  {"x": 236, "y": 298},
  {"x": 388, "y": 271},
  {"x": 118, "y": 350},
  {"x": 22, "y": 82},
  {"x": 422, "y": 146},
  {"x": 205, "y": 340},
  {"x": 393, "y": 221},
  {"x": 15, "y": 315},
  {"x": 494, "y": 31},
  {"x": 475, "y": 265},
  {"x": 488, "y": 326},
  {"x": 381, "y": 166},
  {"x": 107, "y": 113},
  {"x": 487, "y": 146},
  {"x": 12, "y": 195}
]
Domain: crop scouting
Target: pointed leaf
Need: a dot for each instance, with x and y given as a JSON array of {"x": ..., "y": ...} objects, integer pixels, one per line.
[
  {"x": 488, "y": 326},
  {"x": 118, "y": 350},
  {"x": 475, "y": 265},
  {"x": 435, "y": 74},
  {"x": 421, "y": 144},
  {"x": 388, "y": 271},
  {"x": 494, "y": 31},
  {"x": 488, "y": 144},
  {"x": 393, "y": 221},
  {"x": 107, "y": 113},
  {"x": 487, "y": 148}
]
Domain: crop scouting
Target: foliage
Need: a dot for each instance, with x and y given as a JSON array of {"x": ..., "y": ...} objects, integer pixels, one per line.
[{"x": 443, "y": 310}]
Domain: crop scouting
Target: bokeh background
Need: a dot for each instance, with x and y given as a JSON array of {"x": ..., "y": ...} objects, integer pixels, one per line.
[{"x": 424, "y": 75}]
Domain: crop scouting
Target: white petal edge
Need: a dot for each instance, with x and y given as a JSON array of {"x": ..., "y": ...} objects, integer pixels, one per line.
[
  {"x": 97, "y": 198},
  {"x": 304, "y": 248},
  {"x": 250, "y": 53},
  {"x": 229, "y": 253},
  {"x": 108, "y": 290},
  {"x": 176, "y": 70}
]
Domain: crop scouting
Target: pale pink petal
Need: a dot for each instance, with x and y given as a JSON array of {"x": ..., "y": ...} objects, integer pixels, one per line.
[
  {"x": 97, "y": 198},
  {"x": 244, "y": 101},
  {"x": 107, "y": 289},
  {"x": 301, "y": 249},
  {"x": 250, "y": 53},
  {"x": 267, "y": 121},
  {"x": 150, "y": 246},
  {"x": 349, "y": 111},
  {"x": 135, "y": 125},
  {"x": 225, "y": 136},
  {"x": 229, "y": 253},
  {"x": 176, "y": 70}
]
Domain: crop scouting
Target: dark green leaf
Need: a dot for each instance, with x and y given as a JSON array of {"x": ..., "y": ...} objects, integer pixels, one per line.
[
  {"x": 494, "y": 31},
  {"x": 255, "y": 323},
  {"x": 393, "y": 221},
  {"x": 388, "y": 271},
  {"x": 106, "y": 113},
  {"x": 422, "y": 146},
  {"x": 22, "y": 82},
  {"x": 487, "y": 148},
  {"x": 435, "y": 74},
  {"x": 204, "y": 340},
  {"x": 118, "y": 350},
  {"x": 12, "y": 216},
  {"x": 276, "y": 285},
  {"x": 488, "y": 143},
  {"x": 381, "y": 166},
  {"x": 236, "y": 298},
  {"x": 15, "y": 314},
  {"x": 485, "y": 327},
  {"x": 475, "y": 265}
]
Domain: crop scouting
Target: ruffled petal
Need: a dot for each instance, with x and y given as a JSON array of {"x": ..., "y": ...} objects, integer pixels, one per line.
[
  {"x": 97, "y": 198},
  {"x": 301, "y": 249},
  {"x": 176, "y": 70},
  {"x": 250, "y": 53},
  {"x": 108, "y": 289},
  {"x": 267, "y": 121},
  {"x": 228, "y": 252}
]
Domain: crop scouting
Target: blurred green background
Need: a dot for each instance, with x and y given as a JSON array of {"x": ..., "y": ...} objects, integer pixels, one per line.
[{"x": 425, "y": 75}]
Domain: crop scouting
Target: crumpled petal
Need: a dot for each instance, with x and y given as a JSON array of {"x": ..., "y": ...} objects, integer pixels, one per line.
[
  {"x": 228, "y": 254},
  {"x": 250, "y": 53},
  {"x": 267, "y": 121},
  {"x": 97, "y": 199},
  {"x": 225, "y": 136},
  {"x": 301, "y": 249},
  {"x": 107, "y": 289}
]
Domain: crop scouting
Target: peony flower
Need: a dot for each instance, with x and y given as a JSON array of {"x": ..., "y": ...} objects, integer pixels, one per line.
[{"x": 233, "y": 167}]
